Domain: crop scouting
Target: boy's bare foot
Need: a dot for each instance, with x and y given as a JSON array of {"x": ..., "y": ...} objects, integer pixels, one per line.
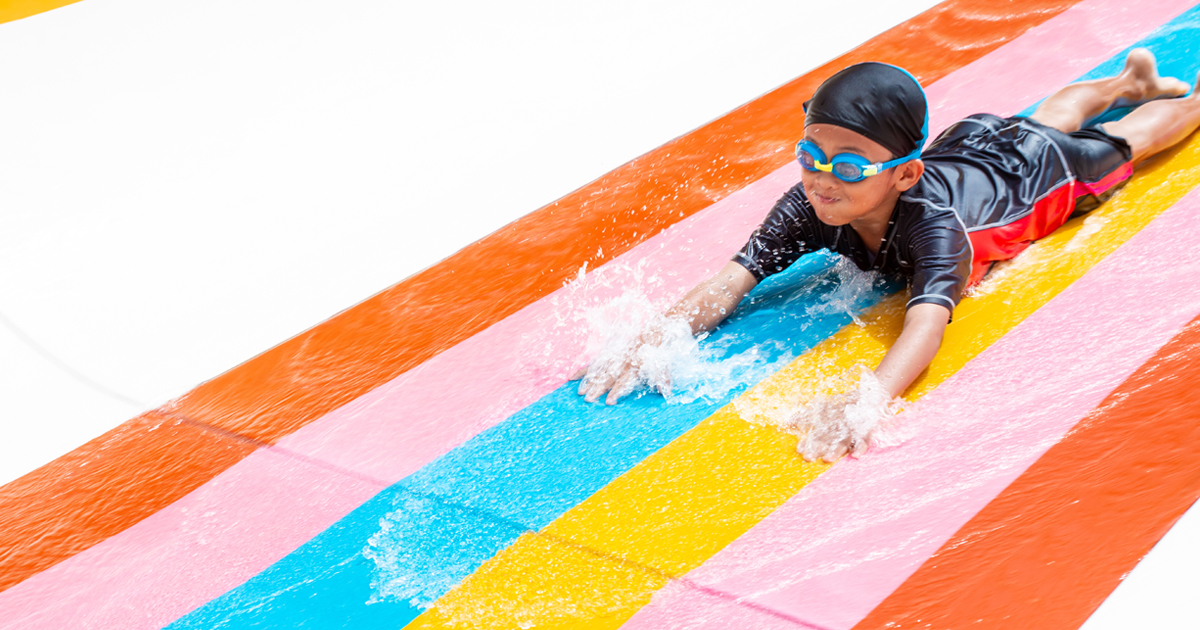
[{"x": 1145, "y": 84}]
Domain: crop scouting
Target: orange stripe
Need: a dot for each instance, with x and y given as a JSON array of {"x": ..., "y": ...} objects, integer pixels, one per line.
[
  {"x": 103, "y": 487},
  {"x": 295, "y": 383},
  {"x": 1054, "y": 544}
]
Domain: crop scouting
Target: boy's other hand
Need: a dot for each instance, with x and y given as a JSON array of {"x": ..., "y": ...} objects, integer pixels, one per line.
[
  {"x": 832, "y": 425},
  {"x": 828, "y": 448}
]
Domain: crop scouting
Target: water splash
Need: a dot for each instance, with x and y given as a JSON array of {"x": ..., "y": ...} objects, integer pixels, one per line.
[
  {"x": 852, "y": 285},
  {"x": 426, "y": 546},
  {"x": 629, "y": 331},
  {"x": 854, "y": 415},
  {"x": 1092, "y": 225}
]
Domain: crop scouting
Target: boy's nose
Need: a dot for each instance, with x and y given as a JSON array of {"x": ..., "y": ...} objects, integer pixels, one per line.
[{"x": 825, "y": 182}]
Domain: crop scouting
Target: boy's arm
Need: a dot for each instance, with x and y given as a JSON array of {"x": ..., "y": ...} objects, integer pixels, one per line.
[
  {"x": 711, "y": 301},
  {"x": 924, "y": 325},
  {"x": 704, "y": 307},
  {"x": 789, "y": 231}
]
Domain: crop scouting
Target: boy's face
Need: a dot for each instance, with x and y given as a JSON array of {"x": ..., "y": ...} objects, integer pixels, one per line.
[{"x": 840, "y": 203}]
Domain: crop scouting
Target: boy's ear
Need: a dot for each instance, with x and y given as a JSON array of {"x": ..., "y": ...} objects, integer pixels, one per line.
[{"x": 908, "y": 174}]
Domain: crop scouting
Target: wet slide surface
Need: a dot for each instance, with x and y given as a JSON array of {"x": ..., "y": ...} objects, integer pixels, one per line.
[
  {"x": 347, "y": 478},
  {"x": 290, "y": 386}
]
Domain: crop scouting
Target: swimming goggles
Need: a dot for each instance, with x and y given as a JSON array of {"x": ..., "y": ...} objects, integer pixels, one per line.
[{"x": 847, "y": 167}]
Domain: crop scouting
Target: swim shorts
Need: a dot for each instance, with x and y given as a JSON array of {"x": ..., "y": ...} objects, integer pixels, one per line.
[{"x": 1016, "y": 180}]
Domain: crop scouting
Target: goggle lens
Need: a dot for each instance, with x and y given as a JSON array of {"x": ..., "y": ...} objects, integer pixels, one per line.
[
  {"x": 847, "y": 171},
  {"x": 807, "y": 160}
]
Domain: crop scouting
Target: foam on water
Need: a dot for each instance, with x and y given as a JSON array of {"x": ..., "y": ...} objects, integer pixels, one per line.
[
  {"x": 682, "y": 367},
  {"x": 841, "y": 410},
  {"x": 1091, "y": 226}
]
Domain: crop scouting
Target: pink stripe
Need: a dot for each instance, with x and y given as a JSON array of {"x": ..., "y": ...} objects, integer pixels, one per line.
[
  {"x": 506, "y": 366},
  {"x": 189, "y": 552},
  {"x": 837, "y": 549},
  {"x": 711, "y": 610},
  {"x": 1046, "y": 58}
]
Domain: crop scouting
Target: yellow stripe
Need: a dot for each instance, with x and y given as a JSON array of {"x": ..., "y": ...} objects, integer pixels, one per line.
[
  {"x": 19, "y": 9},
  {"x": 601, "y": 561}
]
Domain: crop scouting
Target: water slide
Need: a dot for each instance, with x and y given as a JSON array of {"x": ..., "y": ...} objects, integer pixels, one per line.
[{"x": 420, "y": 459}]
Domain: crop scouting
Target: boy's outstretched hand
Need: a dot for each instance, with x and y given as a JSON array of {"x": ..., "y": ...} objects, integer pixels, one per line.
[
  {"x": 833, "y": 426},
  {"x": 618, "y": 372}
]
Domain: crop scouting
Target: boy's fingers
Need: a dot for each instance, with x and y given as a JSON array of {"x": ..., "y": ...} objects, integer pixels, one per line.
[
  {"x": 834, "y": 453},
  {"x": 580, "y": 373},
  {"x": 621, "y": 387},
  {"x": 585, "y": 384},
  {"x": 809, "y": 450},
  {"x": 596, "y": 389},
  {"x": 594, "y": 393}
]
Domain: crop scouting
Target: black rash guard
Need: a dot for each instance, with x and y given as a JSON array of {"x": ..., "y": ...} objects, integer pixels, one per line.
[
  {"x": 925, "y": 241},
  {"x": 991, "y": 186}
]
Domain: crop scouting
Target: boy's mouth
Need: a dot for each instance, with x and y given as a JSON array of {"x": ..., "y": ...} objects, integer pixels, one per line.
[{"x": 821, "y": 199}]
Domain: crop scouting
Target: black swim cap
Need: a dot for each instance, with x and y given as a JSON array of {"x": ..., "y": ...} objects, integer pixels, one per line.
[{"x": 882, "y": 102}]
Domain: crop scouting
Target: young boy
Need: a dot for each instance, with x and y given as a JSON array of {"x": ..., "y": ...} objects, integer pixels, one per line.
[{"x": 983, "y": 190}]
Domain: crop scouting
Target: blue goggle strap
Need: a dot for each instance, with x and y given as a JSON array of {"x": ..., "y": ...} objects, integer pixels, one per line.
[{"x": 879, "y": 167}]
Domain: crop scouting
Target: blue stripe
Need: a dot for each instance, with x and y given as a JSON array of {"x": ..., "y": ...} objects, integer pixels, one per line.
[{"x": 414, "y": 541}]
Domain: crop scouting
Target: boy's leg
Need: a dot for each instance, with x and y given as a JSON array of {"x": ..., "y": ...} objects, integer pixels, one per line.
[
  {"x": 1069, "y": 108},
  {"x": 1157, "y": 126}
]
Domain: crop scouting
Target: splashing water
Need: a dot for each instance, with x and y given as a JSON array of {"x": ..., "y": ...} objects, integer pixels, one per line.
[
  {"x": 859, "y": 416},
  {"x": 680, "y": 366},
  {"x": 852, "y": 285},
  {"x": 405, "y": 569},
  {"x": 1091, "y": 226},
  {"x": 685, "y": 368}
]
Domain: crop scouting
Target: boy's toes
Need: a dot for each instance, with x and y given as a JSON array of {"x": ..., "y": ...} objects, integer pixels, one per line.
[{"x": 1170, "y": 86}]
